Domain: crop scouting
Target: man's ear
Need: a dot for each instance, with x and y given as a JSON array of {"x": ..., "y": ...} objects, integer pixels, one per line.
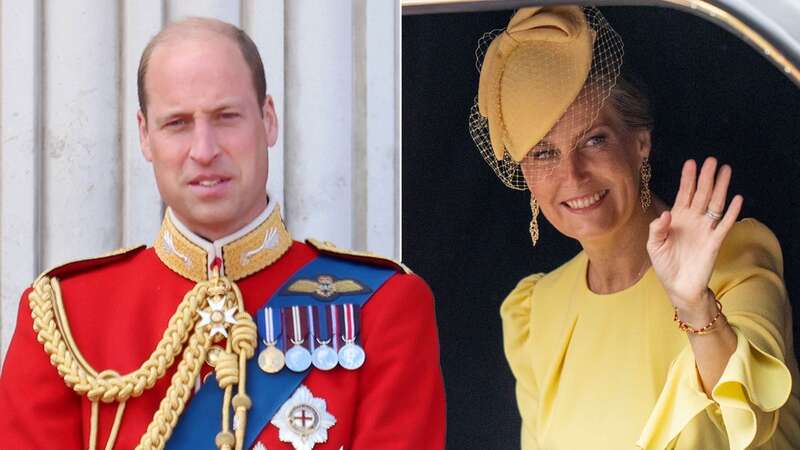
[
  {"x": 144, "y": 136},
  {"x": 270, "y": 118}
]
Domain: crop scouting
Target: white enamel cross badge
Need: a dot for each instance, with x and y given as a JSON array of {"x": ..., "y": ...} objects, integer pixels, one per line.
[{"x": 303, "y": 420}]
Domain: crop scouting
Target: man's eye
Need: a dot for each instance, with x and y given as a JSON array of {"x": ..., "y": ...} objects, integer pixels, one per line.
[
  {"x": 175, "y": 123},
  {"x": 229, "y": 115}
]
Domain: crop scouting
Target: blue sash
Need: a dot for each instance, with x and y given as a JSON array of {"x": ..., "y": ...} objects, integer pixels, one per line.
[{"x": 200, "y": 421}]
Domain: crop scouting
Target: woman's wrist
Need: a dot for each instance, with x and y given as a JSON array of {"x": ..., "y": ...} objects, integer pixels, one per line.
[{"x": 699, "y": 313}]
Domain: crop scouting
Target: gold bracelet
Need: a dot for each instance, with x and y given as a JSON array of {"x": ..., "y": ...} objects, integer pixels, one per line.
[{"x": 683, "y": 326}]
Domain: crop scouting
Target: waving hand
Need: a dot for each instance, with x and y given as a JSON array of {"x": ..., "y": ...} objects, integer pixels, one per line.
[{"x": 684, "y": 242}]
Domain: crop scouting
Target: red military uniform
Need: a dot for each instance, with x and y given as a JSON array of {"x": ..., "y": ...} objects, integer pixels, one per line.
[{"x": 119, "y": 306}]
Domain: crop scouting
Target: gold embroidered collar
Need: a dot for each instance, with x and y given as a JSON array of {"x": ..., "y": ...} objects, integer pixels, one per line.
[{"x": 255, "y": 246}]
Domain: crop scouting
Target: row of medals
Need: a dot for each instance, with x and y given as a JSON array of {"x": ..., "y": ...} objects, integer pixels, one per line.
[{"x": 298, "y": 358}]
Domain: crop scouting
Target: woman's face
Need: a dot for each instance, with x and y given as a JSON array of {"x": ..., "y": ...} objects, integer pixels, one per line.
[{"x": 587, "y": 185}]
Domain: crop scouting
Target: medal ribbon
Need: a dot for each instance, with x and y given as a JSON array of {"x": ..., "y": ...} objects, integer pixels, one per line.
[
  {"x": 351, "y": 320},
  {"x": 321, "y": 325},
  {"x": 269, "y": 326},
  {"x": 298, "y": 326},
  {"x": 333, "y": 320},
  {"x": 312, "y": 325},
  {"x": 288, "y": 327}
]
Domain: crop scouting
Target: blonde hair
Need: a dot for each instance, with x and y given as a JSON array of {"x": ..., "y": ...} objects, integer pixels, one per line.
[{"x": 629, "y": 98}]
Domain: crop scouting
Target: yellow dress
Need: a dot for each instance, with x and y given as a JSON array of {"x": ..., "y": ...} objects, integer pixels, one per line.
[{"x": 614, "y": 372}]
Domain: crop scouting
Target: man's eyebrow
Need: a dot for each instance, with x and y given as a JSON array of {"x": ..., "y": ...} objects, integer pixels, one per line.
[
  {"x": 232, "y": 102},
  {"x": 229, "y": 102},
  {"x": 169, "y": 114}
]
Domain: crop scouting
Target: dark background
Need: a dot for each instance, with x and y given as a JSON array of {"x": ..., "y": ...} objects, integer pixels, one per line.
[{"x": 467, "y": 234}]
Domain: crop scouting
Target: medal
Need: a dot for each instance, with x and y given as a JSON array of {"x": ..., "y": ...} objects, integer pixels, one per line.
[
  {"x": 323, "y": 357},
  {"x": 271, "y": 359},
  {"x": 351, "y": 355},
  {"x": 298, "y": 358}
]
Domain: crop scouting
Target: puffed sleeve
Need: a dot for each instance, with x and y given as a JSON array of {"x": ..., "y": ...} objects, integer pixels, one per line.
[
  {"x": 756, "y": 382},
  {"x": 36, "y": 406},
  {"x": 516, "y": 313}
]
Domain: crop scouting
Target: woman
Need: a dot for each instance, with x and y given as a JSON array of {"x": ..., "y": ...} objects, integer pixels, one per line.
[{"x": 672, "y": 328}]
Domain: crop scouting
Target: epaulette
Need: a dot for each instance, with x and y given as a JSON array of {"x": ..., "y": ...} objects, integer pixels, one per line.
[
  {"x": 329, "y": 248},
  {"x": 80, "y": 265}
]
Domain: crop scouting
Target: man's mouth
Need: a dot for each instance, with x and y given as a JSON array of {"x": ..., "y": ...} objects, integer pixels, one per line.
[
  {"x": 586, "y": 201},
  {"x": 210, "y": 183}
]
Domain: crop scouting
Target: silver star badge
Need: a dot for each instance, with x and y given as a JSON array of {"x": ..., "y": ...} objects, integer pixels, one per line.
[
  {"x": 217, "y": 316},
  {"x": 303, "y": 420}
]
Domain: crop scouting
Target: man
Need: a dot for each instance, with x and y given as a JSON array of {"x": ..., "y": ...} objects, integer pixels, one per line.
[{"x": 208, "y": 336}]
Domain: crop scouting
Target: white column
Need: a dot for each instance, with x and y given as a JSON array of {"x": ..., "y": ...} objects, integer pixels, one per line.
[
  {"x": 20, "y": 145},
  {"x": 319, "y": 123},
  {"x": 262, "y": 20},
  {"x": 380, "y": 219},
  {"x": 227, "y": 10},
  {"x": 81, "y": 142},
  {"x": 141, "y": 203}
]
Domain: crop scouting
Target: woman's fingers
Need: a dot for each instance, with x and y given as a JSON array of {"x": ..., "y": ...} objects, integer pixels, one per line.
[
  {"x": 659, "y": 229},
  {"x": 717, "y": 203},
  {"x": 686, "y": 190},
  {"x": 729, "y": 218},
  {"x": 704, "y": 194},
  {"x": 705, "y": 185}
]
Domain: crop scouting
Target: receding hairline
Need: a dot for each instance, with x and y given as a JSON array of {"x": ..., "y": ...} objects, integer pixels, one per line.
[
  {"x": 199, "y": 28},
  {"x": 192, "y": 28}
]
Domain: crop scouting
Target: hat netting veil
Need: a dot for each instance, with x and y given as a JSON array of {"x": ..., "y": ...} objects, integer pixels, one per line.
[{"x": 547, "y": 81}]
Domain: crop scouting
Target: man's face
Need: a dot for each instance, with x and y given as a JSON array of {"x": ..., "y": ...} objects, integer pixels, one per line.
[{"x": 206, "y": 134}]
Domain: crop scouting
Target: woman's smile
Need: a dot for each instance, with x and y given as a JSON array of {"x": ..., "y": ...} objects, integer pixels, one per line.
[{"x": 585, "y": 203}]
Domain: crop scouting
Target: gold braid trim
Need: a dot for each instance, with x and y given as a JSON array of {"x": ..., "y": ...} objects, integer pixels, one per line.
[
  {"x": 52, "y": 331},
  {"x": 231, "y": 370},
  {"x": 171, "y": 407},
  {"x": 50, "y": 324}
]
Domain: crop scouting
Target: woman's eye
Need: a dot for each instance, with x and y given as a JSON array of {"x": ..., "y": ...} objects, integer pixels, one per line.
[
  {"x": 544, "y": 154},
  {"x": 595, "y": 140}
]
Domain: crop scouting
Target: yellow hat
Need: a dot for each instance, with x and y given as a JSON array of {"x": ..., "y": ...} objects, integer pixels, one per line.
[{"x": 531, "y": 73}]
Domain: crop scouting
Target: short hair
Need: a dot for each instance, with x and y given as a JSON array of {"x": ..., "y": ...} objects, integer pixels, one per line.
[{"x": 197, "y": 25}]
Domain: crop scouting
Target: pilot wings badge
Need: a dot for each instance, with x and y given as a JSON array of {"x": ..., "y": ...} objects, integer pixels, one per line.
[{"x": 325, "y": 287}]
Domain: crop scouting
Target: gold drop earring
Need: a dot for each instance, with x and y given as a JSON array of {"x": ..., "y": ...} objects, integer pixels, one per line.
[
  {"x": 534, "y": 226},
  {"x": 645, "y": 173}
]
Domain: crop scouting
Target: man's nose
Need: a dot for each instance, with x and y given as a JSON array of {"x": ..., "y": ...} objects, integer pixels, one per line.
[{"x": 205, "y": 147}]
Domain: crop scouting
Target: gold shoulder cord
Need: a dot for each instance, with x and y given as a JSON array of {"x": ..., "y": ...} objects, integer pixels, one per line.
[{"x": 217, "y": 299}]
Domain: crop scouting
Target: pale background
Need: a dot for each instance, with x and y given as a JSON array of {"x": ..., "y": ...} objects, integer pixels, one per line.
[{"x": 73, "y": 182}]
